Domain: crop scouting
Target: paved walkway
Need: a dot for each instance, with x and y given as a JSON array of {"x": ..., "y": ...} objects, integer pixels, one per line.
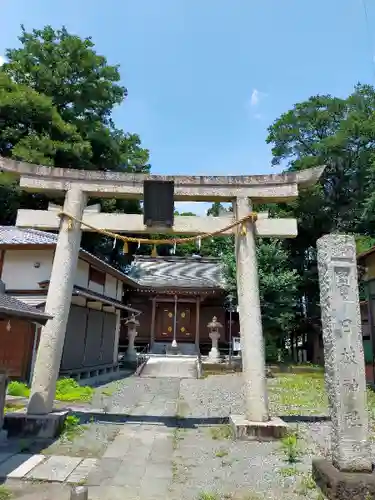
[{"x": 137, "y": 465}]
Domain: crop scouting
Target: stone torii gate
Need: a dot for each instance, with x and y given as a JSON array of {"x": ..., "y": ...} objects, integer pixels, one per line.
[{"x": 79, "y": 185}]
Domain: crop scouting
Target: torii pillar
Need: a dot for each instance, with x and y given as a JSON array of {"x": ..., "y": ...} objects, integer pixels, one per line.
[
  {"x": 52, "y": 336},
  {"x": 252, "y": 343},
  {"x": 79, "y": 185}
]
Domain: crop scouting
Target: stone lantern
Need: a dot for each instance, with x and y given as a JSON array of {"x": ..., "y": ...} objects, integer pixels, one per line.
[
  {"x": 214, "y": 335},
  {"x": 132, "y": 324}
]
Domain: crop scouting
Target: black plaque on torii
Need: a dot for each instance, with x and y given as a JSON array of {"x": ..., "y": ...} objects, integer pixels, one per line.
[{"x": 158, "y": 203}]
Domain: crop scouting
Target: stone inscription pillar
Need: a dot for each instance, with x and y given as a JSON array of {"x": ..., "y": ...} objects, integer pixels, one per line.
[
  {"x": 253, "y": 355},
  {"x": 60, "y": 289},
  {"x": 343, "y": 352}
]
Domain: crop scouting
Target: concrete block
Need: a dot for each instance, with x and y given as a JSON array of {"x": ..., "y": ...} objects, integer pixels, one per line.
[
  {"x": 19, "y": 465},
  {"x": 55, "y": 468},
  {"x": 337, "y": 485},
  {"x": 244, "y": 429},
  {"x": 21, "y": 424},
  {"x": 79, "y": 493}
]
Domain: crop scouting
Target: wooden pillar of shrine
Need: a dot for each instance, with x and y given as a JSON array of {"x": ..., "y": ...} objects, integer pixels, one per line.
[
  {"x": 197, "y": 321},
  {"x": 153, "y": 317}
]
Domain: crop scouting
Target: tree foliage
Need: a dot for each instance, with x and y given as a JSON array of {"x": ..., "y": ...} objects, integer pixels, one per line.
[
  {"x": 56, "y": 101},
  {"x": 33, "y": 130},
  {"x": 338, "y": 133},
  {"x": 278, "y": 284}
]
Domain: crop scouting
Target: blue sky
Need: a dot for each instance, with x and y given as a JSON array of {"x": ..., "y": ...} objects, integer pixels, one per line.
[{"x": 206, "y": 78}]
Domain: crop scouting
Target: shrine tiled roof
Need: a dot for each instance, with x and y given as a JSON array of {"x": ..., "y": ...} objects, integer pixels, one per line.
[
  {"x": 179, "y": 272},
  {"x": 14, "y": 308},
  {"x": 13, "y": 235}
]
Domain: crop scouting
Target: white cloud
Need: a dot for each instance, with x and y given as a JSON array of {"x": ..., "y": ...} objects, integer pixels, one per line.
[
  {"x": 255, "y": 97},
  {"x": 2, "y": 60}
]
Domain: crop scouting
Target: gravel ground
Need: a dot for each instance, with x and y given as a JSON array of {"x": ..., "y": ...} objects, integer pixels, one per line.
[
  {"x": 203, "y": 460},
  {"x": 237, "y": 470}
]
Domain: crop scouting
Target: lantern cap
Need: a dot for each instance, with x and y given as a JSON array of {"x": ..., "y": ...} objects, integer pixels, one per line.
[
  {"x": 214, "y": 324},
  {"x": 132, "y": 321}
]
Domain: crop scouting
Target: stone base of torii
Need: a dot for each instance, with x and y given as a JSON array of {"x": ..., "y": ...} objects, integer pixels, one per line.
[{"x": 242, "y": 191}]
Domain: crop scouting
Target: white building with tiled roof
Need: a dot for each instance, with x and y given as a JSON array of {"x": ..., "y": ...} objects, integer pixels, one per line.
[{"x": 92, "y": 335}]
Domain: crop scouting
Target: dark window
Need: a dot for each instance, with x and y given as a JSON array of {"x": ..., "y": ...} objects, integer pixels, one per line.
[{"x": 96, "y": 276}]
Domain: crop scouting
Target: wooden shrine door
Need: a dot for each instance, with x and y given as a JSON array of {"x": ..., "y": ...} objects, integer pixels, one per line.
[
  {"x": 184, "y": 329},
  {"x": 165, "y": 323}
]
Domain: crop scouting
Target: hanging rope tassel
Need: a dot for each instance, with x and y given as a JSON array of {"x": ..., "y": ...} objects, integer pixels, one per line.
[
  {"x": 154, "y": 252},
  {"x": 125, "y": 249},
  {"x": 173, "y": 249},
  {"x": 243, "y": 229},
  {"x": 114, "y": 243},
  {"x": 70, "y": 224}
]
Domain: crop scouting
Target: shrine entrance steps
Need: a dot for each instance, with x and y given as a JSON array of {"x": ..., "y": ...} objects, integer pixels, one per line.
[
  {"x": 170, "y": 367},
  {"x": 188, "y": 348}
]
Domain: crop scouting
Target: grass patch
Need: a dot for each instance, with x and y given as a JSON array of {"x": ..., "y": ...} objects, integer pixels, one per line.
[
  {"x": 177, "y": 437},
  {"x": 67, "y": 389},
  {"x": 221, "y": 432},
  {"x": 5, "y": 493},
  {"x": 302, "y": 393},
  {"x": 291, "y": 447},
  {"x": 221, "y": 453},
  {"x": 203, "y": 495},
  {"x": 108, "y": 392},
  {"x": 174, "y": 471},
  {"x": 18, "y": 389},
  {"x": 72, "y": 428},
  {"x": 306, "y": 485},
  {"x": 288, "y": 471}
]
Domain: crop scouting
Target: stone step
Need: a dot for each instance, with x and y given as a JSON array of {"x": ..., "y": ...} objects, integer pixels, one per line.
[
  {"x": 170, "y": 367},
  {"x": 166, "y": 347}
]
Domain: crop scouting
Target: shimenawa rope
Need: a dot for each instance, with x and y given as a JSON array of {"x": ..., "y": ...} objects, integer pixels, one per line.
[{"x": 173, "y": 241}]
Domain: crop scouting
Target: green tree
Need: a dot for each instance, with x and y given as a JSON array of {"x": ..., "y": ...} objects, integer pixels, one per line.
[
  {"x": 338, "y": 133},
  {"x": 78, "y": 90},
  {"x": 84, "y": 88},
  {"x": 33, "y": 130},
  {"x": 278, "y": 287}
]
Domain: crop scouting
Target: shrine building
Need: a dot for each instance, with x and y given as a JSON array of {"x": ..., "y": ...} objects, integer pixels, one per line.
[{"x": 178, "y": 297}]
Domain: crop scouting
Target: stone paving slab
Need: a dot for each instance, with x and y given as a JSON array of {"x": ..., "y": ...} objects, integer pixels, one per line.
[
  {"x": 82, "y": 471},
  {"x": 56, "y": 468},
  {"x": 19, "y": 465},
  {"x": 104, "y": 471},
  {"x": 115, "y": 493}
]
